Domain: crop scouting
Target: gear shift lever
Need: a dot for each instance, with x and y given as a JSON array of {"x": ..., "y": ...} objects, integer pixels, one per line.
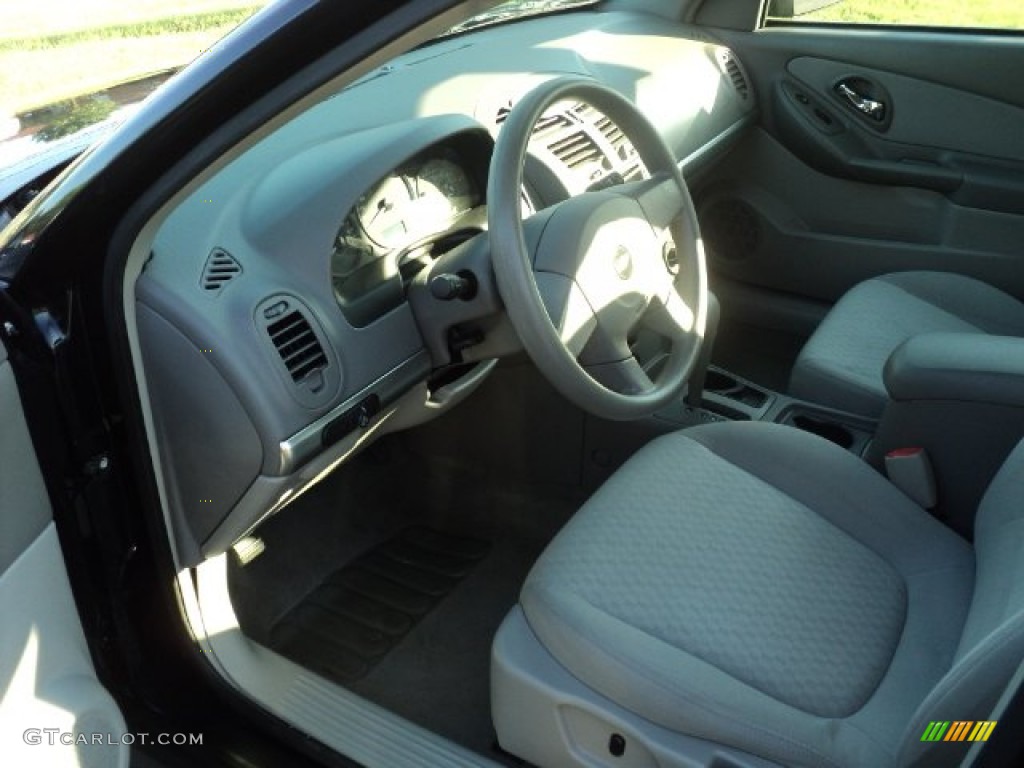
[{"x": 695, "y": 386}]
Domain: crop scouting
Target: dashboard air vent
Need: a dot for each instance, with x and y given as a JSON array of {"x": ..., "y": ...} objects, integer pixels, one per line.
[
  {"x": 735, "y": 73},
  {"x": 221, "y": 268},
  {"x": 612, "y": 133},
  {"x": 576, "y": 149},
  {"x": 298, "y": 345},
  {"x": 585, "y": 112},
  {"x": 546, "y": 125}
]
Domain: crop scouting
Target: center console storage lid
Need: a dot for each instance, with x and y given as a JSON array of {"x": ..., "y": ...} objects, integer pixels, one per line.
[{"x": 972, "y": 367}]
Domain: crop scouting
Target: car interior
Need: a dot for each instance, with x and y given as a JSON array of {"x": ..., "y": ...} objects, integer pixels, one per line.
[{"x": 635, "y": 383}]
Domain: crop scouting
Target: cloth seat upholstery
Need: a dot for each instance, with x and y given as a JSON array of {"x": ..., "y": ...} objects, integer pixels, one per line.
[
  {"x": 841, "y": 364},
  {"x": 756, "y": 586}
]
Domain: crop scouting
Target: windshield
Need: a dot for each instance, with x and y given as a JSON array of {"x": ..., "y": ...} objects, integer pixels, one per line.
[
  {"x": 516, "y": 9},
  {"x": 71, "y": 69}
]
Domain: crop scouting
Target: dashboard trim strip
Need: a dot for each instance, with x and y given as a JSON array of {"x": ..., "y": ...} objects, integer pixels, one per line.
[
  {"x": 700, "y": 154},
  {"x": 306, "y": 443}
]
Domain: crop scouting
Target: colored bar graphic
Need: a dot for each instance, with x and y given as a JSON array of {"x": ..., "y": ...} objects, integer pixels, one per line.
[
  {"x": 987, "y": 727},
  {"x": 958, "y": 730}
]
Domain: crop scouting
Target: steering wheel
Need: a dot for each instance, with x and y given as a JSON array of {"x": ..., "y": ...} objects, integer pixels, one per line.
[{"x": 578, "y": 278}]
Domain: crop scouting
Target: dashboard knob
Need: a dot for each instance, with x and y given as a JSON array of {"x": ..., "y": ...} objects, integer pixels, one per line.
[
  {"x": 364, "y": 415},
  {"x": 448, "y": 286}
]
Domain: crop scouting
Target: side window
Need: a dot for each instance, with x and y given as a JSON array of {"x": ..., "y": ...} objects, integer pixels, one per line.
[
  {"x": 75, "y": 68},
  {"x": 987, "y": 14}
]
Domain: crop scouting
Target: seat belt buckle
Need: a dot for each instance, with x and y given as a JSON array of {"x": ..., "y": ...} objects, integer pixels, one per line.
[{"x": 910, "y": 470}]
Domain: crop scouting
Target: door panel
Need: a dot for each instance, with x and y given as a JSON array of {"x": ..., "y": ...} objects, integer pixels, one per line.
[
  {"x": 878, "y": 127},
  {"x": 773, "y": 221},
  {"x": 48, "y": 686},
  {"x": 977, "y": 63},
  {"x": 923, "y": 113},
  {"x": 822, "y": 196},
  {"x": 24, "y": 509}
]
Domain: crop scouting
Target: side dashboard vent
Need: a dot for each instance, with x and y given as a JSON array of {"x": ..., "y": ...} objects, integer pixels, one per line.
[
  {"x": 735, "y": 73},
  {"x": 221, "y": 268},
  {"x": 297, "y": 345}
]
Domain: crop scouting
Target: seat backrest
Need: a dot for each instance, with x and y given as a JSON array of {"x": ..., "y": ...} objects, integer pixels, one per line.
[{"x": 992, "y": 643}]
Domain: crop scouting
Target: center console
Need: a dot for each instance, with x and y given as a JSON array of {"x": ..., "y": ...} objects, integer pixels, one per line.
[
  {"x": 725, "y": 397},
  {"x": 733, "y": 398},
  {"x": 714, "y": 394},
  {"x": 960, "y": 398}
]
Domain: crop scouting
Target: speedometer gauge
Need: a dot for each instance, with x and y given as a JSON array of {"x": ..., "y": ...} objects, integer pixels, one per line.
[
  {"x": 382, "y": 212},
  {"x": 422, "y": 197},
  {"x": 446, "y": 177}
]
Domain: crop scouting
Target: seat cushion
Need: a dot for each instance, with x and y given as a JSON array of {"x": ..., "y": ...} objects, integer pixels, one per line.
[
  {"x": 991, "y": 647},
  {"x": 759, "y": 587},
  {"x": 841, "y": 365}
]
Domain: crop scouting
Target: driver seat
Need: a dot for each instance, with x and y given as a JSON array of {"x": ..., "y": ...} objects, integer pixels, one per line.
[{"x": 747, "y": 594}]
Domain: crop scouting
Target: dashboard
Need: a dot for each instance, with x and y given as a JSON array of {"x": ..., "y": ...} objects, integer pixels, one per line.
[{"x": 285, "y": 316}]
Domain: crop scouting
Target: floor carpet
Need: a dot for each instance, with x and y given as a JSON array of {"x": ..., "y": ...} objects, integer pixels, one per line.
[{"x": 392, "y": 576}]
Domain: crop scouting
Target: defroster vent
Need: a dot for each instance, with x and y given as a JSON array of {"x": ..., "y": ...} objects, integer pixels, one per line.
[
  {"x": 298, "y": 345},
  {"x": 221, "y": 268}
]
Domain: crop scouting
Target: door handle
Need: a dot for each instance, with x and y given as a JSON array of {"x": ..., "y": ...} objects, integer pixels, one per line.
[{"x": 871, "y": 108}]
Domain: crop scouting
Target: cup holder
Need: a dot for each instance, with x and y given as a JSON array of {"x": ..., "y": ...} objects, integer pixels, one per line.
[
  {"x": 724, "y": 385},
  {"x": 720, "y": 383},
  {"x": 830, "y": 430}
]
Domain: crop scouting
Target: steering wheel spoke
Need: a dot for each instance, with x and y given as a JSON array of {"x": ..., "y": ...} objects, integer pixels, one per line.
[
  {"x": 626, "y": 377},
  {"x": 659, "y": 197},
  {"x": 671, "y": 316},
  {"x": 568, "y": 309}
]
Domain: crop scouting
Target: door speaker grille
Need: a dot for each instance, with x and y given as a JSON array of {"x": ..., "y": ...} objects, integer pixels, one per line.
[{"x": 731, "y": 229}]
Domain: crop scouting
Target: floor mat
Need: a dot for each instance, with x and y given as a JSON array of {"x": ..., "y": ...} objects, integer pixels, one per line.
[{"x": 349, "y": 623}]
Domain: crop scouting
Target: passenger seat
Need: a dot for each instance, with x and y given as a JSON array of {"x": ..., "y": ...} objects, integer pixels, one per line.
[{"x": 841, "y": 364}]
